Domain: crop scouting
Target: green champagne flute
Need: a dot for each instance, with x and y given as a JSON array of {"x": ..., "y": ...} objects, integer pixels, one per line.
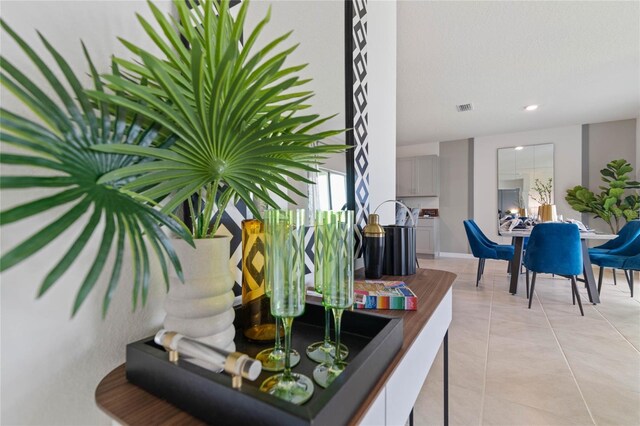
[
  {"x": 337, "y": 291},
  {"x": 272, "y": 359},
  {"x": 322, "y": 351},
  {"x": 284, "y": 261}
]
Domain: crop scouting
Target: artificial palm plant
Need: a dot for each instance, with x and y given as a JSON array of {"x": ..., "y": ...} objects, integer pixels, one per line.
[
  {"x": 235, "y": 112},
  {"x": 68, "y": 125},
  {"x": 209, "y": 117}
]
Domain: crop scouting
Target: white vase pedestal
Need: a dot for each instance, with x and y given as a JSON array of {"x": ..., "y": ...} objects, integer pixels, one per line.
[{"x": 202, "y": 306}]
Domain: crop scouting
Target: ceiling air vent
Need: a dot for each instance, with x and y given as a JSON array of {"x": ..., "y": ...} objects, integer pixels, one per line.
[{"x": 464, "y": 107}]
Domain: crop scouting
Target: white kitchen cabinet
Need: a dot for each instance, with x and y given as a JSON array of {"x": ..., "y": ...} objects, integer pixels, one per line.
[
  {"x": 404, "y": 176},
  {"x": 427, "y": 237},
  {"x": 417, "y": 176}
]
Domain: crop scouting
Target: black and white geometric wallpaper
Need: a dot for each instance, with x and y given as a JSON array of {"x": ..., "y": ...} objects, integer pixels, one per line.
[
  {"x": 360, "y": 117},
  {"x": 231, "y": 224}
]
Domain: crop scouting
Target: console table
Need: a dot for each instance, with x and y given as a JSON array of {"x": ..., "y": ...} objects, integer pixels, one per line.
[{"x": 389, "y": 402}]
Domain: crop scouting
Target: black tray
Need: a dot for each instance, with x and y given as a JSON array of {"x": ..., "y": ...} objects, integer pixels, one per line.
[{"x": 373, "y": 341}]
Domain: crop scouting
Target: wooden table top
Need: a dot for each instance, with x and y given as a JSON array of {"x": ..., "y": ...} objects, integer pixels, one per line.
[{"x": 131, "y": 405}]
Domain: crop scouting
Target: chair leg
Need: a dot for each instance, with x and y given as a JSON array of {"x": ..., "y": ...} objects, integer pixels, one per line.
[
  {"x": 479, "y": 274},
  {"x": 574, "y": 288},
  {"x": 615, "y": 280},
  {"x": 527, "y": 274},
  {"x": 533, "y": 286},
  {"x": 573, "y": 296},
  {"x": 484, "y": 261},
  {"x": 629, "y": 276},
  {"x": 600, "y": 275}
]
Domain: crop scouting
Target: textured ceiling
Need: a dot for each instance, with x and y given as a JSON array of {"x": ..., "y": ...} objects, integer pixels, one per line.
[{"x": 580, "y": 61}]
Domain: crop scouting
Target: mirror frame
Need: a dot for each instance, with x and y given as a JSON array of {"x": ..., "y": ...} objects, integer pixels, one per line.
[{"x": 356, "y": 115}]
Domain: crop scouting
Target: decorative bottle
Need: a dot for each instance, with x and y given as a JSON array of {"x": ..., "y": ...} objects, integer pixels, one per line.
[
  {"x": 258, "y": 323},
  {"x": 373, "y": 247}
]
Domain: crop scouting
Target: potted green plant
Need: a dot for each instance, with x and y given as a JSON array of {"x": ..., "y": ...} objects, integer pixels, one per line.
[
  {"x": 226, "y": 120},
  {"x": 613, "y": 204},
  {"x": 546, "y": 211}
]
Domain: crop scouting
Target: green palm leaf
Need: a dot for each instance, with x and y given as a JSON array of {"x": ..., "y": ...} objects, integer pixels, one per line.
[
  {"x": 235, "y": 112},
  {"x": 70, "y": 125}
]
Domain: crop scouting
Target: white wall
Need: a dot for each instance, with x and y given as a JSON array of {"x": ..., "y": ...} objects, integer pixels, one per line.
[
  {"x": 51, "y": 365},
  {"x": 609, "y": 141},
  {"x": 638, "y": 147},
  {"x": 567, "y": 170},
  {"x": 382, "y": 105}
]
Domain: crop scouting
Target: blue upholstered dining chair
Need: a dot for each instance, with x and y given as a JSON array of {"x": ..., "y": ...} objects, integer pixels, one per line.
[
  {"x": 483, "y": 248},
  {"x": 631, "y": 265},
  {"x": 488, "y": 242},
  {"x": 616, "y": 258},
  {"x": 555, "y": 248},
  {"x": 628, "y": 232}
]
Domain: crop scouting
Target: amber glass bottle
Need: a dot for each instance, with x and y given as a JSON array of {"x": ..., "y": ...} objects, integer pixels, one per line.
[{"x": 258, "y": 324}]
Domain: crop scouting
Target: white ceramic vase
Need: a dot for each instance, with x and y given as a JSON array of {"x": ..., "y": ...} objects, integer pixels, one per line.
[{"x": 202, "y": 306}]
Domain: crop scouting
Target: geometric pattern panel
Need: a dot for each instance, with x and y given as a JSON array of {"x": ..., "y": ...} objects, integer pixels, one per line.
[
  {"x": 231, "y": 224},
  {"x": 308, "y": 250},
  {"x": 360, "y": 119}
]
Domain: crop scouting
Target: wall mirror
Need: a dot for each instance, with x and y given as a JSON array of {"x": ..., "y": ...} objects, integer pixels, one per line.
[
  {"x": 325, "y": 31},
  {"x": 319, "y": 27},
  {"x": 518, "y": 169}
]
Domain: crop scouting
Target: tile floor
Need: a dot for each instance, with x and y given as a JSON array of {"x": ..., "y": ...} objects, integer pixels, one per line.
[{"x": 509, "y": 365}]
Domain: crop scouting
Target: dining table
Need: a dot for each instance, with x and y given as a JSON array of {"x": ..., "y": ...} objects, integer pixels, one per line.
[{"x": 517, "y": 238}]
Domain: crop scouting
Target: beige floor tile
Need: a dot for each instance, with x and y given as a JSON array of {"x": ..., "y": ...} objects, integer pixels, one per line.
[
  {"x": 591, "y": 326},
  {"x": 609, "y": 406},
  {"x": 544, "y": 366},
  {"x": 466, "y": 370},
  {"x": 501, "y": 412},
  {"x": 464, "y": 406},
  {"x": 510, "y": 357},
  {"x": 621, "y": 371},
  {"x": 555, "y": 393},
  {"x": 470, "y": 341},
  {"x": 631, "y": 331},
  {"x": 524, "y": 332},
  {"x": 534, "y": 317},
  {"x": 613, "y": 346}
]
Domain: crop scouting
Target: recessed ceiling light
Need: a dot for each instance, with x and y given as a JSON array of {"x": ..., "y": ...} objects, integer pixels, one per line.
[
  {"x": 519, "y": 148},
  {"x": 531, "y": 107}
]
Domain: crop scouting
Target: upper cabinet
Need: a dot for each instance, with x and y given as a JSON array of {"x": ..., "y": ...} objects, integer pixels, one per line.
[{"x": 417, "y": 176}]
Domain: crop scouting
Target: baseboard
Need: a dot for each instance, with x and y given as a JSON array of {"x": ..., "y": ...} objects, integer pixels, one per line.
[{"x": 456, "y": 255}]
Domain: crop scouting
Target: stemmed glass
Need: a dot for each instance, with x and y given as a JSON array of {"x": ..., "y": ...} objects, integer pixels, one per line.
[
  {"x": 272, "y": 359},
  {"x": 322, "y": 351},
  {"x": 337, "y": 285},
  {"x": 284, "y": 263}
]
